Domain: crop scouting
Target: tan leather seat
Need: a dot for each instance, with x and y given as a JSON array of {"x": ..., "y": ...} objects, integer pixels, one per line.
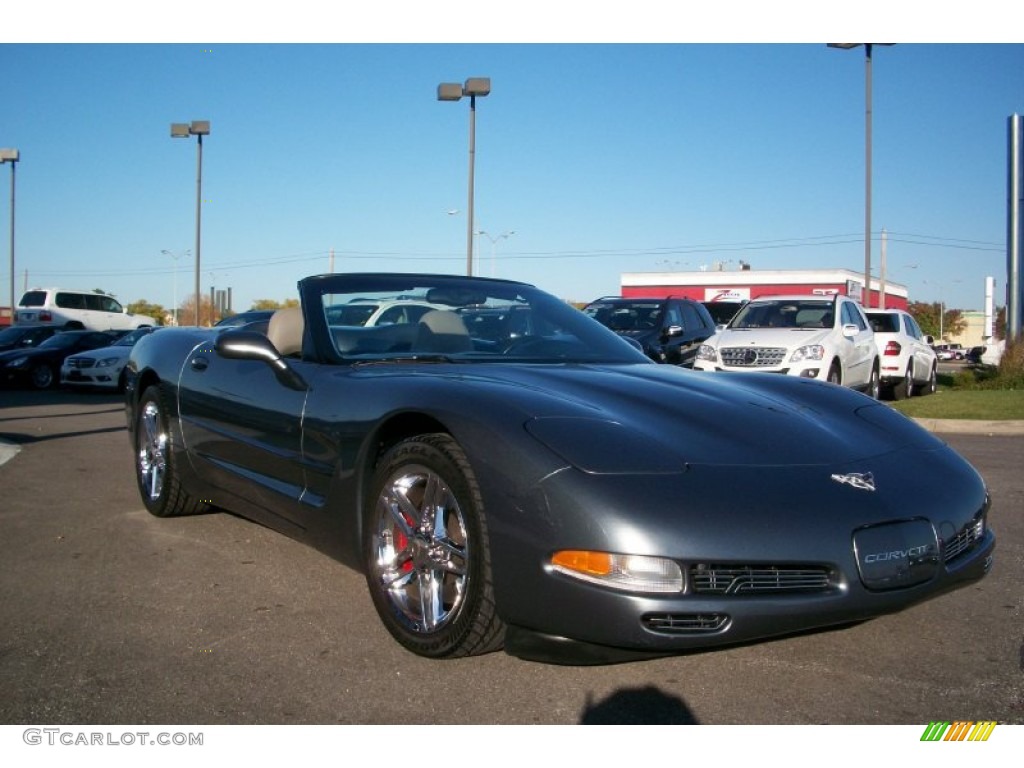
[
  {"x": 285, "y": 331},
  {"x": 441, "y": 331}
]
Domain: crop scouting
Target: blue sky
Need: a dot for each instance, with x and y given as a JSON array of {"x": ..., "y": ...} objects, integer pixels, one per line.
[{"x": 602, "y": 158}]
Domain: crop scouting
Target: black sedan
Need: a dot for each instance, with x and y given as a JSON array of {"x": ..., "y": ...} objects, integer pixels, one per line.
[
  {"x": 545, "y": 487},
  {"x": 24, "y": 336},
  {"x": 39, "y": 367}
]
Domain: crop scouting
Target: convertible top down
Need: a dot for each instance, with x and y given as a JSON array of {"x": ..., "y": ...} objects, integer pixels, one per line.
[{"x": 507, "y": 472}]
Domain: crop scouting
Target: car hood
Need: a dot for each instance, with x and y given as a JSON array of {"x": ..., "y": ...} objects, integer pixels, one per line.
[
  {"x": 31, "y": 352},
  {"x": 770, "y": 337},
  {"x": 104, "y": 352},
  {"x": 661, "y": 418}
]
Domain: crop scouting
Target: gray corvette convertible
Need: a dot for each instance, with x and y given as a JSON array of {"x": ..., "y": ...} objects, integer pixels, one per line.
[{"x": 507, "y": 472}]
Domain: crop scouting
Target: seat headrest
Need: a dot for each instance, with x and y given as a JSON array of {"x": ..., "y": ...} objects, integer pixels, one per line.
[{"x": 285, "y": 331}]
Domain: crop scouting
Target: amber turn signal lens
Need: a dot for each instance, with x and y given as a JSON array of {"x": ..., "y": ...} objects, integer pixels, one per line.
[{"x": 630, "y": 573}]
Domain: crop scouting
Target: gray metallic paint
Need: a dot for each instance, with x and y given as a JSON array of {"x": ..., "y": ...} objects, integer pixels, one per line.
[{"x": 635, "y": 458}]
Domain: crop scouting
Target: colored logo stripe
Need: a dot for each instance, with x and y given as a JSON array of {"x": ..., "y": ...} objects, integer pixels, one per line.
[{"x": 961, "y": 730}]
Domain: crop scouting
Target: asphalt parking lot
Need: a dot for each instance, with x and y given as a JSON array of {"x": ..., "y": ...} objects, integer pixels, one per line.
[{"x": 111, "y": 616}]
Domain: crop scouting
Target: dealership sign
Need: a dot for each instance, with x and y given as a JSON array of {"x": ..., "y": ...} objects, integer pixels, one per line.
[{"x": 726, "y": 294}]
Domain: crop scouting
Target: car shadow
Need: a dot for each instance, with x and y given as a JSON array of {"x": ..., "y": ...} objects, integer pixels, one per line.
[
  {"x": 11, "y": 397},
  {"x": 18, "y": 438},
  {"x": 647, "y": 705}
]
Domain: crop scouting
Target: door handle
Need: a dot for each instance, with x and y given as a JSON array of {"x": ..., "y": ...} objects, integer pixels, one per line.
[{"x": 199, "y": 364}]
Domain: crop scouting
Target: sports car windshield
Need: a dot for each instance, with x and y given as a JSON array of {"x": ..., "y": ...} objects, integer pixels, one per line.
[{"x": 431, "y": 317}]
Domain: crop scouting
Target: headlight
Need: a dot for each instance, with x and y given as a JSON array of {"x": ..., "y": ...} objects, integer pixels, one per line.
[
  {"x": 17, "y": 362},
  {"x": 107, "y": 362},
  {"x": 633, "y": 573},
  {"x": 809, "y": 352},
  {"x": 708, "y": 353}
]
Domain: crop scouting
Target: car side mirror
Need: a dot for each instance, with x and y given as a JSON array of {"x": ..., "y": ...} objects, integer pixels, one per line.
[
  {"x": 850, "y": 330},
  {"x": 672, "y": 331},
  {"x": 929, "y": 340},
  {"x": 249, "y": 345}
]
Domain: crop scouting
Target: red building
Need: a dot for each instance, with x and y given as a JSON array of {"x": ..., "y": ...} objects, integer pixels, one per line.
[{"x": 746, "y": 284}]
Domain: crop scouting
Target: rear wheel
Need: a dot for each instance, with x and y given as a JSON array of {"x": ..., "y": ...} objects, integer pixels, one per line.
[
  {"x": 906, "y": 387},
  {"x": 426, "y": 549},
  {"x": 932, "y": 384},
  {"x": 155, "y": 462}
]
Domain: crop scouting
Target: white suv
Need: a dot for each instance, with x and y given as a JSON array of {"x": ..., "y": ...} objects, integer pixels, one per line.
[
  {"x": 908, "y": 360},
  {"x": 816, "y": 337},
  {"x": 79, "y": 310}
]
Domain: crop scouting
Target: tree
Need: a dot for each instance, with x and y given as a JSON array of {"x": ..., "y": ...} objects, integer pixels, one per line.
[
  {"x": 143, "y": 307},
  {"x": 274, "y": 304},
  {"x": 187, "y": 311},
  {"x": 952, "y": 322}
]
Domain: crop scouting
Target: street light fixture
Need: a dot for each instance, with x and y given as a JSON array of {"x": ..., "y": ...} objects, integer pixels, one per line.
[
  {"x": 197, "y": 128},
  {"x": 11, "y": 156},
  {"x": 866, "y": 298},
  {"x": 494, "y": 242},
  {"x": 473, "y": 87},
  {"x": 176, "y": 256}
]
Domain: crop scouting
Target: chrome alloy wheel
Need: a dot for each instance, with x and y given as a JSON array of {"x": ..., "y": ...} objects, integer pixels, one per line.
[
  {"x": 420, "y": 549},
  {"x": 152, "y": 456}
]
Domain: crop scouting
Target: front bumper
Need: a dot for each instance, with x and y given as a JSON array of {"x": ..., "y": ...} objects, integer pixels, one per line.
[
  {"x": 811, "y": 370},
  {"x": 14, "y": 376},
  {"x": 93, "y": 377},
  {"x": 634, "y": 628},
  {"x": 92, "y": 372},
  {"x": 765, "y": 551}
]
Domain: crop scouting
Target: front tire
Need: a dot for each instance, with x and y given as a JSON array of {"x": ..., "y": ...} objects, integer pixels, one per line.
[
  {"x": 874, "y": 384},
  {"x": 156, "y": 463},
  {"x": 42, "y": 377},
  {"x": 427, "y": 555}
]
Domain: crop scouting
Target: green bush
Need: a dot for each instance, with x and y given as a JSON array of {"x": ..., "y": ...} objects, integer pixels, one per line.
[
  {"x": 1011, "y": 366},
  {"x": 1009, "y": 374}
]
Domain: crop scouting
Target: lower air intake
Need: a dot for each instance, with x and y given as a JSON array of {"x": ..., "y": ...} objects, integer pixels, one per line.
[{"x": 685, "y": 623}]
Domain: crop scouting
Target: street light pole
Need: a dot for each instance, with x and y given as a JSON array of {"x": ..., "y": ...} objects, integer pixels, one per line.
[
  {"x": 175, "y": 256},
  {"x": 197, "y": 128},
  {"x": 494, "y": 242},
  {"x": 11, "y": 156},
  {"x": 474, "y": 86},
  {"x": 866, "y": 298}
]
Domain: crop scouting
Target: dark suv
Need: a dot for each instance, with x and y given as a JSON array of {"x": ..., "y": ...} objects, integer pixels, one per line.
[{"x": 669, "y": 330}]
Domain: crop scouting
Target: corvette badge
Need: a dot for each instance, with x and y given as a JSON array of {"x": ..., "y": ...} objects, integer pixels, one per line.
[{"x": 863, "y": 482}]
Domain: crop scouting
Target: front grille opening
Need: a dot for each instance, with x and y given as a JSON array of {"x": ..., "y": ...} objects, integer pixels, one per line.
[
  {"x": 685, "y": 623},
  {"x": 964, "y": 540},
  {"x": 753, "y": 357},
  {"x": 726, "y": 579}
]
